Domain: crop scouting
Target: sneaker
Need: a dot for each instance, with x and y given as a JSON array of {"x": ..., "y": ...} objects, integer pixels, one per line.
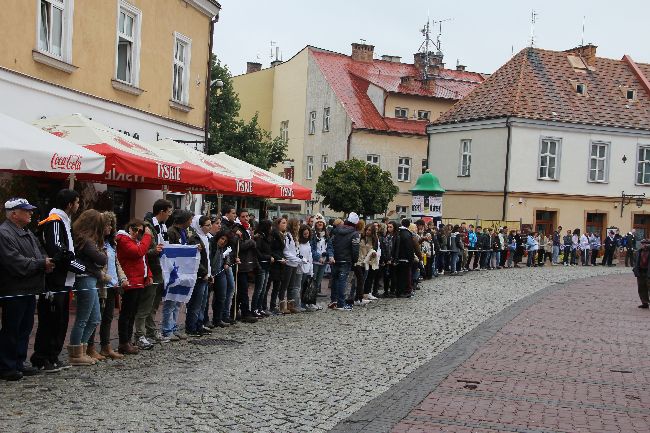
[
  {"x": 47, "y": 367},
  {"x": 365, "y": 301},
  {"x": 30, "y": 371},
  {"x": 143, "y": 343},
  {"x": 61, "y": 365},
  {"x": 194, "y": 333},
  {"x": 174, "y": 337},
  {"x": 372, "y": 297},
  {"x": 164, "y": 339},
  {"x": 345, "y": 308},
  {"x": 358, "y": 303},
  {"x": 181, "y": 335},
  {"x": 207, "y": 328},
  {"x": 332, "y": 305}
]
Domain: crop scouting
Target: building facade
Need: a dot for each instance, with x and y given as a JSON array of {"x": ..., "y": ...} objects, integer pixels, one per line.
[
  {"x": 552, "y": 138},
  {"x": 138, "y": 66},
  {"x": 332, "y": 107}
]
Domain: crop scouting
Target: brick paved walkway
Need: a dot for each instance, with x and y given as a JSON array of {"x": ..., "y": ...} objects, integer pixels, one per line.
[{"x": 577, "y": 360}]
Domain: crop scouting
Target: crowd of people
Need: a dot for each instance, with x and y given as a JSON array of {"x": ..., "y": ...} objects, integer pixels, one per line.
[{"x": 284, "y": 260}]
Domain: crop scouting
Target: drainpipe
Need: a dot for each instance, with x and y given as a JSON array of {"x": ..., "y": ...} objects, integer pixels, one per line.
[
  {"x": 347, "y": 150},
  {"x": 207, "y": 84},
  {"x": 507, "y": 176}
]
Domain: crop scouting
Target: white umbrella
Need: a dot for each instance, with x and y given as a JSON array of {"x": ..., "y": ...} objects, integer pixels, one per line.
[{"x": 28, "y": 148}]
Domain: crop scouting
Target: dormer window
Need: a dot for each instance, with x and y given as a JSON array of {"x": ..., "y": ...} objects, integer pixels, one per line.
[
  {"x": 401, "y": 113},
  {"x": 581, "y": 88},
  {"x": 630, "y": 94}
]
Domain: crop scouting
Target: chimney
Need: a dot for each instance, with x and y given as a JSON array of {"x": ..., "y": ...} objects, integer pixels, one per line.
[
  {"x": 253, "y": 67},
  {"x": 362, "y": 52},
  {"x": 435, "y": 61},
  {"x": 275, "y": 63},
  {"x": 586, "y": 52},
  {"x": 393, "y": 59},
  {"x": 460, "y": 67}
]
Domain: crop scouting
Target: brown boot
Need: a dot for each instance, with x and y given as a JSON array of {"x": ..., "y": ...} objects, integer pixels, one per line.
[
  {"x": 83, "y": 353},
  {"x": 107, "y": 351},
  {"x": 90, "y": 351},
  {"x": 293, "y": 309},
  {"x": 76, "y": 358},
  {"x": 283, "y": 307},
  {"x": 128, "y": 349}
]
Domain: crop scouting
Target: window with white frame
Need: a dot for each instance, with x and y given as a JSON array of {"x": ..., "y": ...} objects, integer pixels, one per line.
[
  {"x": 326, "y": 119},
  {"x": 598, "y": 162},
  {"x": 372, "y": 159},
  {"x": 404, "y": 169},
  {"x": 424, "y": 115},
  {"x": 312, "y": 122},
  {"x": 129, "y": 19},
  {"x": 465, "y": 158},
  {"x": 310, "y": 167},
  {"x": 324, "y": 163},
  {"x": 181, "y": 77},
  {"x": 55, "y": 28},
  {"x": 643, "y": 166},
  {"x": 284, "y": 131},
  {"x": 401, "y": 113},
  {"x": 548, "y": 159}
]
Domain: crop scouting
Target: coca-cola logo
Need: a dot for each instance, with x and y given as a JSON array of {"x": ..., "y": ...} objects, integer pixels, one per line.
[
  {"x": 56, "y": 131},
  {"x": 66, "y": 162}
]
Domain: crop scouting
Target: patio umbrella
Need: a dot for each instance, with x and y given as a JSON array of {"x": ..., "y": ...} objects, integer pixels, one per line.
[
  {"x": 129, "y": 162},
  {"x": 28, "y": 149}
]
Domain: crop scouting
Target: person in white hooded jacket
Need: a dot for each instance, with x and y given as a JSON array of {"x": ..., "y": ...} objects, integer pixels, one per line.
[
  {"x": 292, "y": 273},
  {"x": 201, "y": 225}
]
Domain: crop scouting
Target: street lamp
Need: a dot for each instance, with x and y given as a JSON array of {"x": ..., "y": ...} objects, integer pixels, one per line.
[
  {"x": 310, "y": 203},
  {"x": 626, "y": 199}
]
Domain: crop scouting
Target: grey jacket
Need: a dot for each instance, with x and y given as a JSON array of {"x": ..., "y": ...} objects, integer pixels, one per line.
[{"x": 22, "y": 261}]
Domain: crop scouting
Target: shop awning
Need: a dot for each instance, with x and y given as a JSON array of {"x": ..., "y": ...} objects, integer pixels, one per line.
[
  {"x": 234, "y": 176},
  {"x": 129, "y": 162},
  {"x": 25, "y": 148}
]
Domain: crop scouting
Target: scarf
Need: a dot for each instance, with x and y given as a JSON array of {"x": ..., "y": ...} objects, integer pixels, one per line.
[
  {"x": 204, "y": 238},
  {"x": 65, "y": 218}
]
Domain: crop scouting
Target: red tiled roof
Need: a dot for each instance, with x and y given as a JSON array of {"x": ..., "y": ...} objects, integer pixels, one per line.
[
  {"x": 540, "y": 84},
  {"x": 350, "y": 80}
]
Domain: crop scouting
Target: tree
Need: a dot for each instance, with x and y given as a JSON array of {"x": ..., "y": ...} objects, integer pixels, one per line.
[
  {"x": 243, "y": 140},
  {"x": 356, "y": 186}
]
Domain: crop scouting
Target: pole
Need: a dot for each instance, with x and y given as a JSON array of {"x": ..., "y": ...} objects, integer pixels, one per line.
[
  {"x": 164, "y": 191},
  {"x": 234, "y": 301},
  {"x": 71, "y": 180}
]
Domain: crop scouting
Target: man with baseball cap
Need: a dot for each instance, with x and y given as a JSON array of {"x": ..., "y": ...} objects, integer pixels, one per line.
[{"x": 23, "y": 265}]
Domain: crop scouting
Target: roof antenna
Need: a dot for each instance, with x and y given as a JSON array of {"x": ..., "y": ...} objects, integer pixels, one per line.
[
  {"x": 424, "y": 47},
  {"x": 533, "y": 19},
  {"x": 582, "y": 42}
]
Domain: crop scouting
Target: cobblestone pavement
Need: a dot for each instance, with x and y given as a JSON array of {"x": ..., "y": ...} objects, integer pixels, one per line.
[
  {"x": 299, "y": 373},
  {"x": 578, "y": 360}
]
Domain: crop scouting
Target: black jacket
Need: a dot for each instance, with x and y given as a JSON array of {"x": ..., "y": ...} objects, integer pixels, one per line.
[
  {"x": 54, "y": 238},
  {"x": 403, "y": 246},
  {"x": 263, "y": 245},
  {"x": 203, "y": 262},
  {"x": 345, "y": 242},
  {"x": 639, "y": 272},
  {"x": 22, "y": 261},
  {"x": 277, "y": 252},
  {"x": 92, "y": 258},
  {"x": 247, "y": 251},
  {"x": 153, "y": 257}
]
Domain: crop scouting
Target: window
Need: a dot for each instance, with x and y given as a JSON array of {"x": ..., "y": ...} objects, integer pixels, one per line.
[
  {"x": 404, "y": 170},
  {"x": 424, "y": 115},
  {"x": 402, "y": 113},
  {"x": 425, "y": 166},
  {"x": 326, "y": 119},
  {"x": 54, "y": 26},
  {"x": 465, "y": 158},
  {"x": 581, "y": 88},
  {"x": 128, "y": 44},
  {"x": 643, "y": 166},
  {"x": 310, "y": 167},
  {"x": 312, "y": 122},
  {"x": 181, "y": 78},
  {"x": 630, "y": 94},
  {"x": 284, "y": 131},
  {"x": 598, "y": 162},
  {"x": 401, "y": 210},
  {"x": 372, "y": 159},
  {"x": 548, "y": 157},
  {"x": 324, "y": 163}
]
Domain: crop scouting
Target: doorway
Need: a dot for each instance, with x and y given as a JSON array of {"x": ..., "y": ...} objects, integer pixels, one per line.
[
  {"x": 545, "y": 221},
  {"x": 121, "y": 198},
  {"x": 596, "y": 223},
  {"x": 642, "y": 225}
]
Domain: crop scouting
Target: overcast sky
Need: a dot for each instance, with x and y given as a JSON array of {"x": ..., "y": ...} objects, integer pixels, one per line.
[{"x": 481, "y": 34}]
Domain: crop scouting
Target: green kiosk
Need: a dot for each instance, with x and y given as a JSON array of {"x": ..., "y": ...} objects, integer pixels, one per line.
[{"x": 427, "y": 199}]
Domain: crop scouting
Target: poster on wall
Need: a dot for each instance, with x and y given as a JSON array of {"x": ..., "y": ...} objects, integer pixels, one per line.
[{"x": 427, "y": 206}]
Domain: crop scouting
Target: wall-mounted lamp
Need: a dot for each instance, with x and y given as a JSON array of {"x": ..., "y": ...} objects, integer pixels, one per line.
[{"x": 624, "y": 159}]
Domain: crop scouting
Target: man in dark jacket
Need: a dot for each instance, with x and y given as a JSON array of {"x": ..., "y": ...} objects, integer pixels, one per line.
[
  {"x": 151, "y": 296},
  {"x": 403, "y": 256},
  {"x": 229, "y": 215},
  {"x": 345, "y": 245},
  {"x": 248, "y": 259},
  {"x": 23, "y": 265},
  {"x": 610, "y": 249},
  {"x": 640, "y": 270},
  {"x": 52, "y": 307}
]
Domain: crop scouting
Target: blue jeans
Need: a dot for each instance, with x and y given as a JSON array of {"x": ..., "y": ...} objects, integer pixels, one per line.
[
  {"x": 556, "y": 253},
  {"x": 319, "y": 271},
  {"x": 339, "y": 277},
  {"x": 219, "y": 298},
  {"x": 261, "y": 281},
  {"x": 496, "y": 256},
  {"x": 196, "y": 306},
  {"x": 88, "y": 313},
  {"x": 230, "y": 291},
  {"x": 454, "y": 261},
  {"x": 169, "y": 317}
]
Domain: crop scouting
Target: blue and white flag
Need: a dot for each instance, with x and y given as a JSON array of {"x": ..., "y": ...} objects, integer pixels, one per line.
[{"x": 179, "y": 266}]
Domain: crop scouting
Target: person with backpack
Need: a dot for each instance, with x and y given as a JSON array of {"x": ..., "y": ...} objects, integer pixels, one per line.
[{"x": 53, "y": 307}]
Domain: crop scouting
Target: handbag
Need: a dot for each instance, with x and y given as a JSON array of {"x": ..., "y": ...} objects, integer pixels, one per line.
[{"x": 310, "y": 290}]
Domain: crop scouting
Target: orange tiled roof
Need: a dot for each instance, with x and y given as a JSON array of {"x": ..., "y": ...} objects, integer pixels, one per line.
[
  {"x": 350, "y": 80},
  {"x": 540, "y": 84}
]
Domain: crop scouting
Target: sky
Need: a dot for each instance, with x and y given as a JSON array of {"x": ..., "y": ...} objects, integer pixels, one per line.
[{"x": 479, "y": 34}]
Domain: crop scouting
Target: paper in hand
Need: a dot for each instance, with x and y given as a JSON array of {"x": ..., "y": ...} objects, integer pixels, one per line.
[{"x": 227, "y": 252}]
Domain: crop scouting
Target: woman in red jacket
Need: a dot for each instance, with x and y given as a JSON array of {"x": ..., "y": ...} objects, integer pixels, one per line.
[{"x": 132, "y": 246}]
